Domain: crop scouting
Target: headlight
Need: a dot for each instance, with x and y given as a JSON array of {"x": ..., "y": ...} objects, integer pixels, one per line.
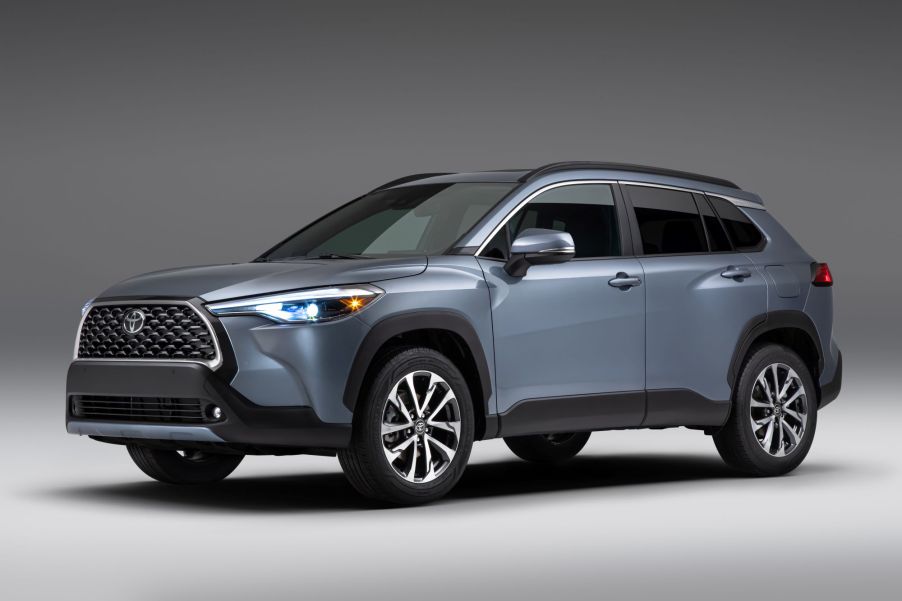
[{"x": 303, "y": 306}]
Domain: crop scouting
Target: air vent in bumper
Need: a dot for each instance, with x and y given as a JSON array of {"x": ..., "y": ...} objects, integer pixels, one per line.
[{"x": 150, "y": 410}]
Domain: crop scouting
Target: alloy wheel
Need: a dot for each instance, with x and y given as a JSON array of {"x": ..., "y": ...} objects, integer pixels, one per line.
[
  {"x": 421, "y": 422},
  {"x": 779, "y": 409}
]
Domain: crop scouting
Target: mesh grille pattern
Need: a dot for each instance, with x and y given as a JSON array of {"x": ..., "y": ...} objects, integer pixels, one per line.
[
  {"x": 138, "y": 409},
  {"x": 170, "y": 332}
]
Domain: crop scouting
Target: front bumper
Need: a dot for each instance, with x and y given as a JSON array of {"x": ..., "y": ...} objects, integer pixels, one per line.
[{"x": 243, "y": 426}]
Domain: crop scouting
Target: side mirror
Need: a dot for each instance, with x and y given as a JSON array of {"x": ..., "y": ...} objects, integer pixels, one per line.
[{"x": 539, "y": 247}]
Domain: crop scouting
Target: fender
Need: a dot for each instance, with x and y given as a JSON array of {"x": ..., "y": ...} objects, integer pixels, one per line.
[
  {"x": 388, "y": 328},
  {"x": 766, "y": 322}
]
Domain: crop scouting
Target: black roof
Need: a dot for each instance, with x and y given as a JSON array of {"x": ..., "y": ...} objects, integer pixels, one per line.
[
  {"x": 526, "y": 175},
  {"x": 571, "y": 165}
]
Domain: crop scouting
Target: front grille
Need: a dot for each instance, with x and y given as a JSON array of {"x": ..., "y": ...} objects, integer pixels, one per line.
[
  {"x": 170, "y": 332},
  {"x": 138, "y": 409}
]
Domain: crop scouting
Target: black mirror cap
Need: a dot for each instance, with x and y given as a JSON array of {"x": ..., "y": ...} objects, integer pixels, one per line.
[{"x": 519, "y": 264}]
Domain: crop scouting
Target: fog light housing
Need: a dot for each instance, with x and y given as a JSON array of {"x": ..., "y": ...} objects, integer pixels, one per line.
[{"x": 214, "y": 413}]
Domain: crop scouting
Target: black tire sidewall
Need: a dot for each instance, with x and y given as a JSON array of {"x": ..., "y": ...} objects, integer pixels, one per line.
[
  {"x": 762, "y": 461},
  {"x": 538, "y": 449},
  {"x": 170, "y": 467},
  {"x": 383, "y": 481}
]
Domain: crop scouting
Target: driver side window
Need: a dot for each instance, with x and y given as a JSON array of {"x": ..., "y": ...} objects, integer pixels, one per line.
[{"x": 585, "y": 211}]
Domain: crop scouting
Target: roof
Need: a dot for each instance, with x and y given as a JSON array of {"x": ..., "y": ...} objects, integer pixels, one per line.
[
  {"x": 640, "y": 173},
  {"x": 506, "y": 176},
  {"x": 575, "y": 165}
]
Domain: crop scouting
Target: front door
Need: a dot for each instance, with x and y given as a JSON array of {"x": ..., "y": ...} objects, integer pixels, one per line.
[{"x": 569, "y": 338}]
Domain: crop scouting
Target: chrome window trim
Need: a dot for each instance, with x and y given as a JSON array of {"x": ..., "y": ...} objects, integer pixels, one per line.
[
  {"x": 665, "y": 186},
  {"x": 736, "y": 201},
  {"x": 747, "y": 204},
  {"x": 213, "y": 365}
]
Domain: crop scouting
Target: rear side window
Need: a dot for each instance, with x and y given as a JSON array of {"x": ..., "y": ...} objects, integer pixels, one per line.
[
  {"x": 668, "y": 220},
  {"x": 742, "y": 231},
  {"x": 717, "y": 236}
]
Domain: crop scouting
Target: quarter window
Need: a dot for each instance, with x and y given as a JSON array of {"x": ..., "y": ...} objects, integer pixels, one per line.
[
  {"x": 743, "y": 233},
  {"x": 669, "y": 222}
]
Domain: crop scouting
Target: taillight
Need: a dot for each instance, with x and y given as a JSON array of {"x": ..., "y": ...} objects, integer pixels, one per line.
[{"x": 821, "y": 275}]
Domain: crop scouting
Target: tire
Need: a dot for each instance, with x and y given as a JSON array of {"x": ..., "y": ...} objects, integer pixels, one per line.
[
  {"x": 407, "y": 478},
  {"x": 746, "y": 447},
  {"x": 192, "y": 467},
  {"x": 548, "y": 448}
]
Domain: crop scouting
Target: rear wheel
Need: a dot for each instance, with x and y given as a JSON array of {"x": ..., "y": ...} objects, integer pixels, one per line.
[
  {"x": 413, "y": 430},
  {"x": 774, "y": 416},
  {"x": 548, "y": 448},
  {"x": 183, "y": 467}
]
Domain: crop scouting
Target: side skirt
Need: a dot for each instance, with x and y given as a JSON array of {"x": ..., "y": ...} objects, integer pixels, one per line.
[
  {"x": 613, "y": 411},
  {"x": 668, "y": 407}
]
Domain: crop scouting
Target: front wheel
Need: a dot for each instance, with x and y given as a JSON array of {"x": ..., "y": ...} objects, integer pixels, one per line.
[
  {"x": 413, "y": 430},
  {"x": 774, "y": 414},
  {"x": 548, "y": 448},
  {"x": 183, "y": 467}
]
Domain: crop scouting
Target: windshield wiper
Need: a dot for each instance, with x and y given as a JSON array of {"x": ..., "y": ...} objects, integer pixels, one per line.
[
  {"x": 336, "y": 256},
  {"x": 304, "y": 257}
]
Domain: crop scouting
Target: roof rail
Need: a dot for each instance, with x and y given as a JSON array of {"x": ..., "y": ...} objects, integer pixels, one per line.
[
  {"x": 570, "y": 165},
  {"x": 406, "y": 179}
]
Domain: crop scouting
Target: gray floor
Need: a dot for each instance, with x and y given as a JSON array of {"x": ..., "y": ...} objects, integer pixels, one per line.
[{"x": 638, "y": 514}]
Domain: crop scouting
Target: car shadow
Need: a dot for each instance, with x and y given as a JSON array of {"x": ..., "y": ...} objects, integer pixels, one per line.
[{"x": 331, "y": 492}]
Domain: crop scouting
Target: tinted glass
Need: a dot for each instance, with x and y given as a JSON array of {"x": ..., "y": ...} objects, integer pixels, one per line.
[
  {"x": 498, "y": 246},
  {"x": 585, "y": 211},
  {"x": 668, "y": 221},
  {"x": 742, "y": 231},
  {"x": 717, "y": 237},
  {"x": 424, "y": 219}
]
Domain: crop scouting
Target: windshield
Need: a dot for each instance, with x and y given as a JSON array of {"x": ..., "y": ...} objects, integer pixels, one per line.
[{"x": 411, "y": 220}]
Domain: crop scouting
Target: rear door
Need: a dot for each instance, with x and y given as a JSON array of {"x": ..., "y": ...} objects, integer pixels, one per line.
[{"x": 700, "y": 296}]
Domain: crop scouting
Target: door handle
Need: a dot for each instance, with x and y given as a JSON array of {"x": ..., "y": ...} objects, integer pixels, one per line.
[
  {"x": 624, "y": 281},
  {"x": 736, "y": 273}
]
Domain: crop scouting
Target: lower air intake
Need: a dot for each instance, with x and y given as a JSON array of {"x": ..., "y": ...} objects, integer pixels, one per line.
[{"x": 150, "y": 410}]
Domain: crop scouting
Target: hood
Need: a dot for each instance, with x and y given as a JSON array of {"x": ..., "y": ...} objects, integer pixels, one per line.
[{"x": 222, "y": 282}]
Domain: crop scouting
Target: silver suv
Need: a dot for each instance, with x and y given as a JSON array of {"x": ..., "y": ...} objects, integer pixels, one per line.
[{"x": 443, "y": 308}]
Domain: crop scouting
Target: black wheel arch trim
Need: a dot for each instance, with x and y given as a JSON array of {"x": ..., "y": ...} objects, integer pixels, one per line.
[
  {"x": 395, "y": 325},
  {"x": 768, "y": 322},
  {"x": 830, "y": 390}
]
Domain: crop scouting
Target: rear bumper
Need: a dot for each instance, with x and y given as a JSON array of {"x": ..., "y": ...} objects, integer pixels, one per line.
[
  {"x": 243, "y": 424},
  {"x": 830, "y": 390}
]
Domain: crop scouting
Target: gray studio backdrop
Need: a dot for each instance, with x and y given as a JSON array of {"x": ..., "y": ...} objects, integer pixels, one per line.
[{"x": 136, "y": 136}]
